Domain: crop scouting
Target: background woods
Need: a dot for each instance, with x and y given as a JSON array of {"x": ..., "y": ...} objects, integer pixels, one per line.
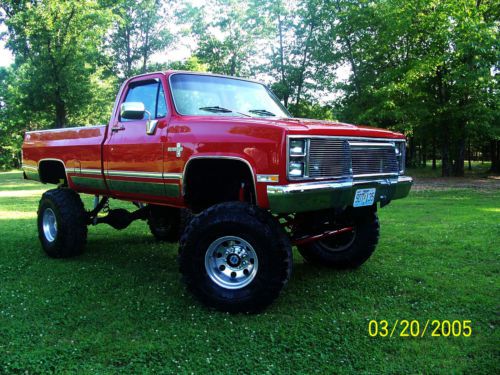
[{"x": 427, "y": 68}]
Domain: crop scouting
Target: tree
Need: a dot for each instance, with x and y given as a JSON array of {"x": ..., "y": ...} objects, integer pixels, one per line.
[
  {"x": 57, "y": 50},
  {"x": 139, "y": 31},
  {"x": 420, "y": 67},
  {"x": 228, "y": 34}
]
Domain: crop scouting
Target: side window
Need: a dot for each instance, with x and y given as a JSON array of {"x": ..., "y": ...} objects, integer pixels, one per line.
[
  {"x": 161, "y": 108},
  {"x": 151, "y": 94}
]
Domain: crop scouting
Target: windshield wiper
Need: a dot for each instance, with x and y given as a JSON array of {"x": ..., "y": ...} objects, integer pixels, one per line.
[
  {"x": 217, "y": 109},
  {"x": 264, "y": 112}
]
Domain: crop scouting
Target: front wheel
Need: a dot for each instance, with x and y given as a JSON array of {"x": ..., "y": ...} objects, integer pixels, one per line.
[
  {"x": 349, "y": 249},
  {"x": 62, "y": 225},
  {"x": 235, "y": 257}
]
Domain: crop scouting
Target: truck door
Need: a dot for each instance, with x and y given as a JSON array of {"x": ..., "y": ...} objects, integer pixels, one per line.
[{"x": 133, "y": 155}]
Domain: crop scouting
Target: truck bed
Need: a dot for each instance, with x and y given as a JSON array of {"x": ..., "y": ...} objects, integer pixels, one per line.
[{"x": 78, "y": 149}]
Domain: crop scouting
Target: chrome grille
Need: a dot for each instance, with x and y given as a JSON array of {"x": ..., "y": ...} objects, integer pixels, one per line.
[
  {"x": 373, "y": 159},
  {"x": 334, "y": 158},
  {"x": 328, "y": 157}
]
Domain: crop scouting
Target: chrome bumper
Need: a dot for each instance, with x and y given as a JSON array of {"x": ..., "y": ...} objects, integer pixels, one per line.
[{"x": 314, "y": 196}]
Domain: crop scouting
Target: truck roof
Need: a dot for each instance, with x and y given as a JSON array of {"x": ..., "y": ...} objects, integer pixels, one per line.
[{"x": 170, "y": 72}]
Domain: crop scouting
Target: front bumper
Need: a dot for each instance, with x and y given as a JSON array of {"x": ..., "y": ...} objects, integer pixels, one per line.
[{"x": 314, "y": 196}]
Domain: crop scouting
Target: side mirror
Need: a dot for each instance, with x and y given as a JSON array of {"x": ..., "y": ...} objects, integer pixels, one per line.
[{"x": 133, "y": 111}]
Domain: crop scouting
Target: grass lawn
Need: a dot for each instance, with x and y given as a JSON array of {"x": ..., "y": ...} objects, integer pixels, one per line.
[
  {"x": 121, "y": 307},
  {"x": 478, "y": 170}
]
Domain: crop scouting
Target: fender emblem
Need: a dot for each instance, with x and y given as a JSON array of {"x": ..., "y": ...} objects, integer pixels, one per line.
[{"x": 177, "y": 149}]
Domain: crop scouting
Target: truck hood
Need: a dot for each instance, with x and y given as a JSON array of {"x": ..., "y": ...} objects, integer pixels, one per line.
[
  {"x": 299, "y": 126},
  {"x": 324, "y": 127}
]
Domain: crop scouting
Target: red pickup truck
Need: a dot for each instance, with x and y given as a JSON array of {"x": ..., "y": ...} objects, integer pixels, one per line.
[{"x": 218, "y": 164}]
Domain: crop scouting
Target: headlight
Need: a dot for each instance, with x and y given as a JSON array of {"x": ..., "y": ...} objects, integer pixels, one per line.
[
  {"x": 401, "y": 156},
  {"x": 297, "y": 158},
  {"x": 297, "y": 147},
  {"x": 296, "y": 169}
]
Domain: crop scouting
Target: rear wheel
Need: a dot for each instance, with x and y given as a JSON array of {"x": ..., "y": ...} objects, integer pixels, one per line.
[
  {"x": 62, "y": 223},
  {"x": 349, "y": 249},
  {"x": 235, "y": 257},
  {"x": 164, "y": 223}
]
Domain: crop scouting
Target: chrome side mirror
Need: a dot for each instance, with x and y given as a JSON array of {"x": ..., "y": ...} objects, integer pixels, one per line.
[{"x": 133, "y": 111}]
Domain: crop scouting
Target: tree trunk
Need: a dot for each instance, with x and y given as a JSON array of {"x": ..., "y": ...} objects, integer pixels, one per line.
[
  {"x": 350, "y": 57},
  {"x": 495, "y": 156},
  {"x": 470, "y": 156},
  {"x": 145, "y": 53},
  {"x": 458, "y": 166},
  {"x": 424, "y": 155},
  {"x": 410, "y": 160},
  {"x": 442, "y": 94},
  {"x": 282, "y": 61},
  {"x": 303, "y": 64},
  {"x": 60, "y": 113},
  {"x": 232, "y": 69},
  {"x": 434, "y": 152},
  {"x": 128, "y": 59}
]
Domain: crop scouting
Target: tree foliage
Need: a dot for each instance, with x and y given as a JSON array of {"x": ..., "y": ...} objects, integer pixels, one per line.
[
  {"x": 138, "y": 32},
  {"x": 57, "y": 48},
  {"x": 427, "y": 68}
]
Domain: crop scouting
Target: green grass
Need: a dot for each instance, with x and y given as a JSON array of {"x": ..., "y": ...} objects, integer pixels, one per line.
[
  {"x": 121, "y": 307},
  {"x": 478, "y": 170}
]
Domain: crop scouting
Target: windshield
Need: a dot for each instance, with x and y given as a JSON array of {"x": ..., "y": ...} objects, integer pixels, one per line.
[{"x": 203, "y": 95}]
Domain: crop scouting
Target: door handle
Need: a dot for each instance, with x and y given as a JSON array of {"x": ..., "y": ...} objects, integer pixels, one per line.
[{"x": 117, "y": 128}]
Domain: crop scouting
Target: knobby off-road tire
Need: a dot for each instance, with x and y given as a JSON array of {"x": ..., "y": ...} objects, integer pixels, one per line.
[
  {"x": 348, "y": 250},
  {"x": 164, "y": 223},
  {"x": 62, "y": 223},
  {"x": 235, "y": 257}
]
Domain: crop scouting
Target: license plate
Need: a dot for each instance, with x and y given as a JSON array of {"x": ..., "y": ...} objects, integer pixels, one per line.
[{"x": 364, "y": 197}]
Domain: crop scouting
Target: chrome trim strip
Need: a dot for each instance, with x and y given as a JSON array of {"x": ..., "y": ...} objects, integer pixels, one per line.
[
  {"x": 129, "y": 173},
  {"x": 375, "y": 174},
  {"x": 352, "y": 138},
  {"x": 268, "y": 178},
  {"x": 371, "y": 144},
  {"x": 88, "y": 171},
  {"x": 134, "y": 174},
  {"x": 173, "y": 176}
]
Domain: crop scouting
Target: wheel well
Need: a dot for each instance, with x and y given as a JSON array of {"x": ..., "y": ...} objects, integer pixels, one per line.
[
  {"x": 52, "y": 172},
  {"x": 211, "y": 181}
]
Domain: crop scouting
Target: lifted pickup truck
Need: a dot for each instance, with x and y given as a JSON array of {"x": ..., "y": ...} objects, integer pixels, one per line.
[{"x": 219, "y": 164}]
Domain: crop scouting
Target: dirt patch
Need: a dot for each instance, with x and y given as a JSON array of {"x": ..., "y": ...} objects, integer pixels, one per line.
[{"x": 428, "y": 183}]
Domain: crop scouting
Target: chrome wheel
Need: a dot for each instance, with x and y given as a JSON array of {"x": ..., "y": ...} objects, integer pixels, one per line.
[
  {"x": 231, "y": 262},
  {"x": 49, "y": 224}
]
